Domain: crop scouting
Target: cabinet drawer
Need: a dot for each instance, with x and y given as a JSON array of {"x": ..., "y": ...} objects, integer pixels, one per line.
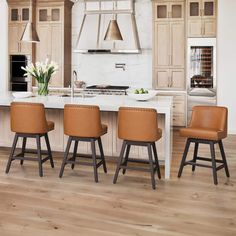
[{"x": 179, "y": 107}]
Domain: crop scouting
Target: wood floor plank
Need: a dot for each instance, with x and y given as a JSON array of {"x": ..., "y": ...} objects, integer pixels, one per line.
[{"x": 76, "y": 205}]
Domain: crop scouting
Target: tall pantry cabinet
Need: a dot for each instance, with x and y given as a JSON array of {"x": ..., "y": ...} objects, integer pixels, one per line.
[
  {"x": 19, "y": 13},
  {"x": 169, "y": 45},
  {"x": 53, "y": 23}
]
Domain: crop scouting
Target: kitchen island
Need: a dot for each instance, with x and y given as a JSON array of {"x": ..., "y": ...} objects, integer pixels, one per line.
[{"x": 109, "y": 106}]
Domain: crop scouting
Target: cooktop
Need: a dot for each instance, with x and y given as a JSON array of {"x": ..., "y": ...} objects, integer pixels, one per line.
[{"x": 107, "y": 87}]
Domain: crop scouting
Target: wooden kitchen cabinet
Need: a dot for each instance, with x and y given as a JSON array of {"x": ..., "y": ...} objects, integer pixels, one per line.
[
  {"x": 54, "y": 30},
  {"x": 49, "y": 14},
  {"x": 15, "y": 32},
  {"x": 172, "y": 79},
  {"x": 169, "y": 45},
  {"x": 19, "y": 13},
  {"x": 201, "y": 16},
  {"x": 179, "y": 107},
  {"x": 169, "y": 10}
]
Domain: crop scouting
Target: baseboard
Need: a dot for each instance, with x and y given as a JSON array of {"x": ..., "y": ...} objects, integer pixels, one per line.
[{"x": 232, "y": 132}]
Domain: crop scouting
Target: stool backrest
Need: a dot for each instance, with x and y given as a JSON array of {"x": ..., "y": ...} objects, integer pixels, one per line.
[
  {"x": 137, "y": 124},
  {"x": 28, "y": 118},
  {"x": 82, "y": 121},
  {"x": 211, "y": 117}
]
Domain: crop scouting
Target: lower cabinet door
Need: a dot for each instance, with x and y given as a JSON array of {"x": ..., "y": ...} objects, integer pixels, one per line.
[
  {"x": 162, "y": 78},
  {"x": 177, "y": 78}
]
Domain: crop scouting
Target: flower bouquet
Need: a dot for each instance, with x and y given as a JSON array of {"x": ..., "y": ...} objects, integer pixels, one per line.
[{"x": 42, "y": 72}]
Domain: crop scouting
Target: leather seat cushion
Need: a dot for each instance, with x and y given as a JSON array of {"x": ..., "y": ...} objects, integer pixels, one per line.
[
  {"x": 51, "y": 125},
  {"x": 203, "y": 133}
]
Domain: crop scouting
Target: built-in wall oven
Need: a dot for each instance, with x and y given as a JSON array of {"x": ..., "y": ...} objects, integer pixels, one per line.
[
  {"x": 201, "y": 72},
  {"x": 18, "y": 82}
]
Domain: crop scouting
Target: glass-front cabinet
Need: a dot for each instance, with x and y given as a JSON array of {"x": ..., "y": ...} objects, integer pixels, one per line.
[
  {"x": 201, "y": 8},
  {"x": 201, "y": 15},
  {"x": 165, "y": 11},
  {"x": 19, "y": 14},
  {"x": 49, "y": 14}
]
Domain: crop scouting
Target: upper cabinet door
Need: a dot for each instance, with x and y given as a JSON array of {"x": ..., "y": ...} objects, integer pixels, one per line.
[
  {"x": 56, "y": 14},
  {"x": 176, "y": 11},
  {"x": 14, "y": 14},
  {"x": 48, "y": 14},
  {"x": 177, "y": 39},
  {"x": 162, "y": 44},
  {"x": 25, "y": 14},
  {"x": 194, "y": 9},
  {"x": 165, "y": 11},
  {"x": 208, "y": 8},
  {"x": 161, "y": 11},
  {"x": 19, "y": 14},
  {"x": 43, "y": 15}
]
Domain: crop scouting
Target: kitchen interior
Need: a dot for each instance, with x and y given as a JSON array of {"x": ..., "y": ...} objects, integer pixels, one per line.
[{"x": 166, "y": 46}]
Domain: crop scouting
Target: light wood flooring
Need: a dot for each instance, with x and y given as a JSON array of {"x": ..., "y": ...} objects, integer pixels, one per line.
[{"x": 76, "y": 205}]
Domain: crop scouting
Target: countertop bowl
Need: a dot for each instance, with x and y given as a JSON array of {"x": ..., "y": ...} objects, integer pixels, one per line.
[
  {"x": 22, "y": 94},
  {"x": 142, "y": 97}
]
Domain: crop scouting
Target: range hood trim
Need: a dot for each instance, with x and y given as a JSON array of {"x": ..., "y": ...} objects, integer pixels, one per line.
[{"x": 100, "y": 12}]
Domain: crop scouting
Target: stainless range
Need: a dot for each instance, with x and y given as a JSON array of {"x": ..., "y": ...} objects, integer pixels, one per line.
[
  {"x": 201, "y": 80},
  {"x": 106, "y": 90}
]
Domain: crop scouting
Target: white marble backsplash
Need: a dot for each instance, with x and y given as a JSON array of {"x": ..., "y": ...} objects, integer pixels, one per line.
[{"x": 100, "y": 68}]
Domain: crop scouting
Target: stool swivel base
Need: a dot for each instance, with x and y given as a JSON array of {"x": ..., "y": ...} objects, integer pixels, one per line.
[
  {"x": 21, "y": 156},
  {"x": 124, "y": 159},
  {"x": 213, "y": 159},
  {"x": 72, "y": 161}
]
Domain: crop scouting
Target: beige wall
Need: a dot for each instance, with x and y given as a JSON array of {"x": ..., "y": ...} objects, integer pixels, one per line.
[{"x": 227, "y": 59}]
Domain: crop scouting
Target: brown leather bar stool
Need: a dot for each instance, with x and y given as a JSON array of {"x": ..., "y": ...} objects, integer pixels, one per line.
[
  {"x": 138, "y": 127},
  {"x": 83, "y": 123},
  {"x": 28, "y": 120},
  {"x": 208, "y": 125}
]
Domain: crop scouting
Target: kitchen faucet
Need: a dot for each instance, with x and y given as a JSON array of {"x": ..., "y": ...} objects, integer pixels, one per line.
[{"x": 73, "y": 79}]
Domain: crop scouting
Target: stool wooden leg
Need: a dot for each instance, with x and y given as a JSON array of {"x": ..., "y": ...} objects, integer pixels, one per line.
[
  {"x": 156, "y": 160},
  {"x": 184, "y": 157},
  {"x": 119, "y": 162},
  {"x": 212, "y": 147},
  {"x": 65, "y": 157},
  {"x": 23, "y": 149},
  {"x": 12, "y": 153},
  {"x": 126, "y": 158},
  {"x": 49, "y": 150},
  {"x": 195, "y": 155},
  {"x": 38, "y": 141},
  {"x": 224, "y": 158},
  {"x": 151, "y": 166},
  {"x": 102, "y": 155},
  {"x": 94, "y": 160},
  {"x": 74, "y": 153}
]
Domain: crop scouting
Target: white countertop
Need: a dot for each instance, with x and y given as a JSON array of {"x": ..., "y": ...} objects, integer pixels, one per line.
[{"x": 162, "y": 104}]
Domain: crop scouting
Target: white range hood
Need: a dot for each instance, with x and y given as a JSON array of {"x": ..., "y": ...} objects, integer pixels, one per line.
[{"x": 97, "y": 15}]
